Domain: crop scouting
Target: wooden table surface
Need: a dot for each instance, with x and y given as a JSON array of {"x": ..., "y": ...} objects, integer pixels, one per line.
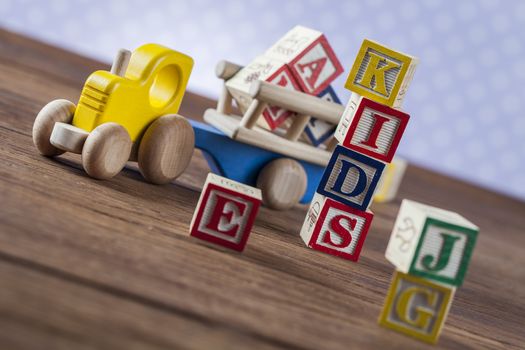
[{"x": 108, "y": 264}]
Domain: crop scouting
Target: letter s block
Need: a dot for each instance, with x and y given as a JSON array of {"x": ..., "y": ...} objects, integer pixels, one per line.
[
  {"x": 371, "y": 128},
  {"x": 350, "y": 178},
  {"x": 309, "y": 57},
  {"x": 416, "y": 307},
  {"x": 381, "y": 74},
  {"x": 431, "y": 243},
  {"x": 334, "y": 228},
  {"x": 225, "y": 212}
]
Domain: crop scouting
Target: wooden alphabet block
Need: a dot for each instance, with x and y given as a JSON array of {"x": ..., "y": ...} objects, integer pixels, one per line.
[
  {"x": 335, "y": 228},
  {"x": 416, "y": 307},
  {"x": 309, "y": 57},
  {"x": 350, "y": 178},
  {"x": 225, "y": 212},
  {"x": 431, "y": 243},
  {"x": 381, "y": 74},
  {"x": 390, "y": 180},
  {"x": 266, "y": 69},
  {"x": 318, "y": 131},
  {"x": 371, "y": 128}
]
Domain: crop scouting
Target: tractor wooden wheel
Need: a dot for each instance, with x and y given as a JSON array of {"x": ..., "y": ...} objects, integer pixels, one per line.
[
  {"x": 54, "y": 111},
  {"x": 106, "y": 151},
  {"x": 166, "y": 149},
  {"x": 283, "y": 183}
]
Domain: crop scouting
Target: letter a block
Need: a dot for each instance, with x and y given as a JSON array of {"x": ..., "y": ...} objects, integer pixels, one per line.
[
  {"x": 431, "y": 243},
  {"x": 416, "y": 307},
  {"x": 334, "y": 228},
  {"x": 310, "y": 58},
  {"x": 265, "y": 69},
  {"x": 371, "y": 128},
  {"x": 381, "y": 74},
  {"x": 351, "y": 178},
  {"x": 225, "y": 212},
  {"x": 318, "y": 131}
]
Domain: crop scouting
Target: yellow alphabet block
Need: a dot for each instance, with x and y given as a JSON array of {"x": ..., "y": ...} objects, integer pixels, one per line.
[
  {"x": 416, "y": 307},
  {"x": 390, "y": 181},
  {"x": 381, "y": 74}
]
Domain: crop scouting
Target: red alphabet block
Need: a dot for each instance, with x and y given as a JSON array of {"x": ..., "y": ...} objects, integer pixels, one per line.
[
  {"x": 371, "y": 128},
  {"x": 335, "y": 228},
  {"x": 310, "y": 58},
  {"x": 225, "y": 212}
]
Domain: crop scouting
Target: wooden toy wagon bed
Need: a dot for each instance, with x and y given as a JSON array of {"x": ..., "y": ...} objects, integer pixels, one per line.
[{"x": 237, "y": 148}]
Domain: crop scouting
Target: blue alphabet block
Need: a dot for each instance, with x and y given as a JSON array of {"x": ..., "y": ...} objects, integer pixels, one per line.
[
  {"x": 318, "y": 131},
  {"x": 351, "y": 178}
]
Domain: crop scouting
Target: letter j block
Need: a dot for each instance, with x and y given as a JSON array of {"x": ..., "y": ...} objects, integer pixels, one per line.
[
  {"x": 381, "y": 74},
  {"x": 431, "y": 243},
  {"x": 350, "y": 178},
  {"x": 416, "y": 307},
  {"x": 225, "y": 212}
]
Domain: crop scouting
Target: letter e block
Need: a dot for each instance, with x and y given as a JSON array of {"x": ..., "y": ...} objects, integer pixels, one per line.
[
  {"x": 335, "y": 228},
  {"x": 371, "y": 128},
  {"x": 431, "y": 243},
  {"x": 225, "y": 212},
  {"x": 381, "y": 74},
  {"x": 265, "y": 69},
  {"x": 310, "y": 58},
  {"x": 318, "y": 131},
  {"x": 416, "y": 307},
  {"x": 350, "y": 178}
]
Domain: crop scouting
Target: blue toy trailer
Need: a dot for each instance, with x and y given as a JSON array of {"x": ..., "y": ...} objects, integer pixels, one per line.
[{"x": 237, "y": 148}]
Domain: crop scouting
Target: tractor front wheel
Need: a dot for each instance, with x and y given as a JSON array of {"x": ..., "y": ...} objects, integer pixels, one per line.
[
  {"x": 166, "y": 149},
  {"x": 283, "y": 183},
  {"x": 55, "y": 111},
  {"x": 106, "y": 151}
]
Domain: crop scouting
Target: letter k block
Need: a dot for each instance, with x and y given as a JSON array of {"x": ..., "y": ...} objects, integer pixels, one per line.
[
  {"x": 225, "y": 212},
  {"x": 335, "y": 228},
  {"x": 350, "y": 178},
  {"x": 416, "y": 307},
  {"x": 381, "y": 74}
]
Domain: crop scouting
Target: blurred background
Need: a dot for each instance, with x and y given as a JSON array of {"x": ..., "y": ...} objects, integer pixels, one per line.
[{"x": 466, "y": 101}]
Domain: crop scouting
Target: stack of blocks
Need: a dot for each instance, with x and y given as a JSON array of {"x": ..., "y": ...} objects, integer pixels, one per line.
[
  {"x": 431, "y": 249},
  {"x": 301, "y": 60},
  {"x": 369, "y": 132}
]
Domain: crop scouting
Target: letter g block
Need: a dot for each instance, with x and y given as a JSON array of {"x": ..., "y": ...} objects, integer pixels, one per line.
[
  {"x": 225, "y": 212},
  {"x": 334, "y": 228}
]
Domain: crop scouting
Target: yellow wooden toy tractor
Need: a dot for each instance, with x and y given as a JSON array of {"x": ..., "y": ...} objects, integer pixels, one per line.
[{"x": 126, "y": 114}]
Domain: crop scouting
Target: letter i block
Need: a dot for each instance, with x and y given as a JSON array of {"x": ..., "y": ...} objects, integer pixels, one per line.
[
  {"x": 351, "y": 178},
  {"x": 335, "y": 228},
  {"x": 381, "y": 74},
  {"x": 310, "y": 58},
  {"x": 265, "y": 69},
  {"x": 416, "y": 307},
  {"x": 371, "y": 128},
  {"x": 318, "y": 131},
  {"x": 225, "y": 212},
  {"x": 431, "y": 243}
]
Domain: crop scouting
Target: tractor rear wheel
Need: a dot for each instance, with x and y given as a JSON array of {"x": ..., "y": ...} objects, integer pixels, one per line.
[
  {"x": 55, "y": 111},
  {"x": 283, "y": 183},
  {"x": 106, "y": 151},
  {"x": 166, "y": 149}
]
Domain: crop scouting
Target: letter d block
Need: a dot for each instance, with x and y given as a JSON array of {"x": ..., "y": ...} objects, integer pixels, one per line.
[
  {"x": 371, "y": 128},
  {"x": 416, "y": 307},
  {"x": 225, "y": 212},
  {"x": 381, "y": 74},
  {"x": 351, "y": 178},
  {"x": 431, "y": 243},
  {"x": 334, "y": 228}
]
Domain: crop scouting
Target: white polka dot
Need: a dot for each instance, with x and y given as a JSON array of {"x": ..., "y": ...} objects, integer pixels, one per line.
[
  {"x": 443, "y": 22},
  {"x": 500, "y": 23},
  {"x": 488, "y": 57},
  {"x": 512, "y": 45}
]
